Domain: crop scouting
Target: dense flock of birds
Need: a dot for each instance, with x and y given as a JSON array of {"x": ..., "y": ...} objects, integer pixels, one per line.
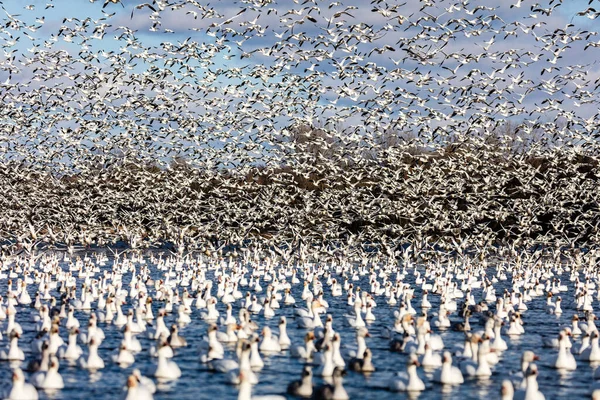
[
  {"x": 289, "y": 152},
  {"x": 306, "y": 124},
  {"x": 66, "y": 306}
]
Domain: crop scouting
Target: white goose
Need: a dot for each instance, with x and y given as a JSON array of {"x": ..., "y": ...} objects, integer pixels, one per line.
[
  {"x": 408, "y": 381},
  {"x": 136, "y": 390},
  {"x": 448, "y": 374},
  {"x": 166, "y": 369},
  {"x": 270, "y": 343},
  {"x": 20, "y": 390},
  {"x": 564, "y": 359},
  {"x": 93, "y": 360},
  {"x": 531, "y": 391},
  {"x": 49, "y": 380}
]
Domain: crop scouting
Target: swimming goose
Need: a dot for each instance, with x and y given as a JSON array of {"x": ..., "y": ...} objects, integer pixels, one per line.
[
  {"x": 478, "y": 365},
  {"x": 304, "y": 386},
  {"x": 289, "y": 299},
  {"x": 527, "y": 358},
  {"x": 338, "y": 360},
  {"x": 256, "y": 361},
  {"x": 305, "y": 351},
  {"x": 448, "y": 374},
  {"x": 144, "y": 381},
  {"x": 123, "y": 357},
  {"x": 245, "y": 388},
  {"x": 564, "y": 359},
  {"x": 592, "y": 353},
  {"x": 590, "y": 325},
  {"x": 429, "y": 359},
  {"x": 332, "y": 392},
  {"x": 408, "y": 381},
  {"x": 233, "y": 369},
  {"x": 183, "y": 317},
  {"x": 514, "y": 328},
  {"x": 284, "y": 340},
  {"x": 216, "y": 348},
  {"x": 313, "y": 321},
  {"x": 20, "y": 390},
  {"x": 357, "y": 321},
  {"x": 93, "y": 332},
  {"x": 507, "y": 390},
  {"x": 531, "y": 391},
  {"x": 229, "y": 336},
  {"x": 327, "y": 367},
  {"x": 71, "y": 322},
  {"x": 12, "y": 325},
  {"x": 270, "y": 343},
  {"x": 93, "y": 360},
  {"x": 361, "y": 335},
  {"x": 174, "y": 339},
  {"x": 166, "y": 369},
  {"x": 136, "y": 390},
  {"x": 498, "y": 344},
  {"x": 50, "y": 379},
  {"x": 72, "y": 351},
  {"x": 363, "y": 364},
  {"x": 575, "y": 329},
  {"x": 556, "y": 307},
  {"x": 12, "y": 351}
]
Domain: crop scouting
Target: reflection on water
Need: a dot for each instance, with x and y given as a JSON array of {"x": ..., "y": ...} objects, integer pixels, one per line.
[
  {"x": 484, "y": 386},
  {"x": 95, "y": 376}
]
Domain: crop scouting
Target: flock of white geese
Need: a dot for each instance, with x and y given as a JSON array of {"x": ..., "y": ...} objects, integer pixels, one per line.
[{"x": 66, "y": 304}]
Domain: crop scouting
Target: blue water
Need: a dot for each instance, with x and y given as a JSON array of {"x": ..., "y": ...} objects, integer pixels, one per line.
[{"x": 197, "y": 382}]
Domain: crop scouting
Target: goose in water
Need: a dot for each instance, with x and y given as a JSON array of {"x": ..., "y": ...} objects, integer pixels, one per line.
[
  {"x": 49, "y": 380},
  {"x": 592, "y": 353},
  {"x": 233, "y": 370},
  {"x": 313, "y": 320},
  {"x": 256, "y": 361},
  {"x": 123, "y": 357},
  {"x": 13, "y": 352},
  {"x": 245, "y": 392},
  {"x": 270, "y": 343},
  {"x": 361, "y": 335},
  {"x": 212, "y": 343},
  {"x": 527, "y": 358},
  {"x": 564, "y": 359},
  {"x": 136, "y": 390},
  {"x": 332, "y": 392},
  {"x": 575, "y": 329},
  {"x": 448, "y": 374},
  {"x": 363, "y": 364},
  {"x": 174, "y": 339},
  {"x": 408, "y": 381},
  {"x": 284, "y": 339},
  {"x": 531, "y": 391},
  {"x": 20, "y": 390},
  {"x": 72, "y": 351},
  {"x": 93, "y": 360},
  {"x": 305, "y": 351},
  {"x": 144, "y": 381},
  {"x": 507, "y": 390},
  {"x": 478, "y": 365},
  {"x": 430, "y": 359},
  {"x": 166, "y": 369},
  {"x": 326, "y": 369},
  {"x": 304, "y": 386},
  {"x": 590, "y": 323}
]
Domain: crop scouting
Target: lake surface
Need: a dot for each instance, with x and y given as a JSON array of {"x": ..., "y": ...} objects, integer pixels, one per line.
[{"x": 197, "y": 382}]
